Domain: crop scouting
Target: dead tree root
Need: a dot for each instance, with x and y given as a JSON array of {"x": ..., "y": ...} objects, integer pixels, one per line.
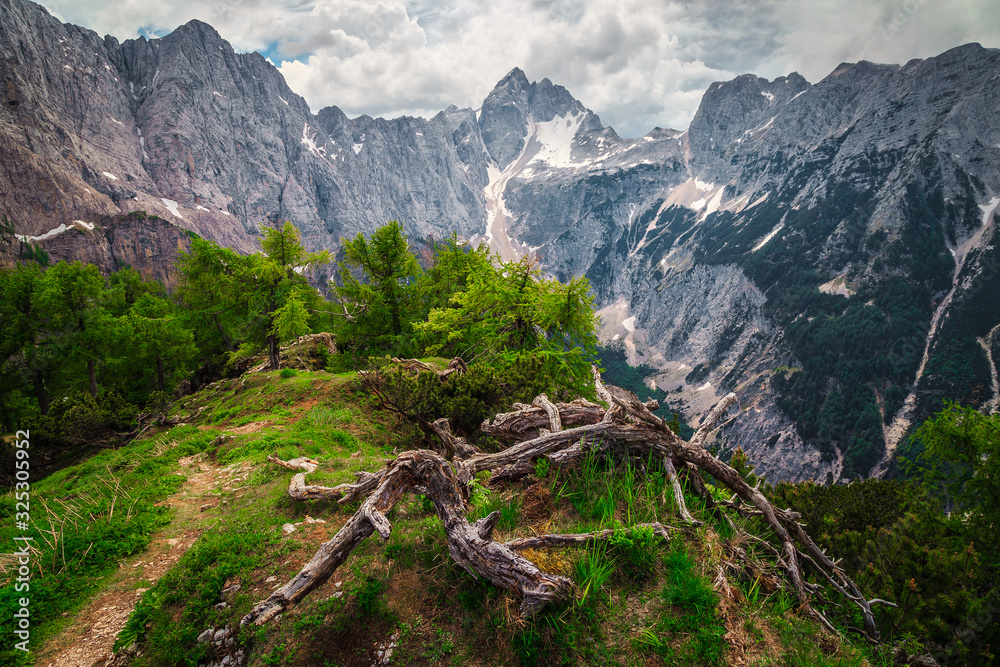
[{"x": 561, "y": 433}]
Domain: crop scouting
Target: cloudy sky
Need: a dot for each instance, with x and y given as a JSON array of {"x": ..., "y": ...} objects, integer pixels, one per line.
[{"x": 637, "y": 63}]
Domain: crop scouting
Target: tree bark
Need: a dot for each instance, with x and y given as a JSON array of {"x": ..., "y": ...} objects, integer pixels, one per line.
[
  {"x": 555, "y": 423},
  {"x": 525, "y": 424},
  {"x": 470, "y": 545},
  {"x": 272, "y": 352},
  {"x": 92, "y": 375},
  {"x": 678, "y": 492},
  {"x": 42, "y": 395},
  {"x": 454, "y": 445},
  {"x": 222, "y": 332}
]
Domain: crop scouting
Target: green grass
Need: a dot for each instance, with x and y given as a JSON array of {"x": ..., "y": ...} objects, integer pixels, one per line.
[
  {"x": 639, "y": 598},
  {"x": 690, "y": 631},
  {"x": 591, "y": 573},
  {"x": 484, "y": 502},
  {"x": 606, "y": 493},
  {"x": 87, "y": 518}
]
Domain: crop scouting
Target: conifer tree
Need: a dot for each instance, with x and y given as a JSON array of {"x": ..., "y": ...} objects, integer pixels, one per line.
[
  {"x": 257, "y": 301},
  {"x": 377, "y": 289},
  {"x": 74, "y": 318}
]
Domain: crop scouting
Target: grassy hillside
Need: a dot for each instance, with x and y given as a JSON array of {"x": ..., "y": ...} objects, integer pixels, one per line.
[{"x": 188, "y": 524}]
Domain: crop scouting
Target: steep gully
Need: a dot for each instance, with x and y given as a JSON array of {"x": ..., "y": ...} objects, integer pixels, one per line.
[{"x": 903, "y": 419}]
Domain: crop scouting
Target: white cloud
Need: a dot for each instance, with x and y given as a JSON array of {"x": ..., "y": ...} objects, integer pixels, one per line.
[
  {"x": 637, "y": 64},
  {"x": 630, "y": 71}
]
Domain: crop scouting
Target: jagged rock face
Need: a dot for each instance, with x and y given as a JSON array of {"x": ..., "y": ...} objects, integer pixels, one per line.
[
  {"x": 728, "y": 110},
  {"x": 816, "y": 248},
  {"x": 150, "y": 245},
  {"x": 505, "y": 118},
  {"x": 872, "y": 190},
  {"x": 213, "y": 140}
]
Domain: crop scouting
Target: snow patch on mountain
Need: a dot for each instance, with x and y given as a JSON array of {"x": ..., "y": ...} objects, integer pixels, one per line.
[
  {"x": 989, "y": 209},
  {"x": 47, "y": 235},
  {"x": 713, "y": 204},
  {"x": 556, "y": 139},
  {"x": 777, "y": 228},
  {"x": 172, "y": 207}
]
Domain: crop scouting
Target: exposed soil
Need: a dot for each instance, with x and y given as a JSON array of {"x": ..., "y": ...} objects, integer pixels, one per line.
[
  {"x": 89, "y": 635},
  {"x": 537, "y": 507},
  {"x": 252, "y": 427}
]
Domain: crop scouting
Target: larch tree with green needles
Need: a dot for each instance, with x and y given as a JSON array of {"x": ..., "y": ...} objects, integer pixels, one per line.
[
  {"x": 260, "y": 300},
  {"x": 24, "y": 360},
  {"x": 70, "y": 302},
  {"x": 509, "y": 308},
  {"x": 377, "y": 290},
  {"x": 207, "y": 285},
  {"x": 160, "y": 341}
]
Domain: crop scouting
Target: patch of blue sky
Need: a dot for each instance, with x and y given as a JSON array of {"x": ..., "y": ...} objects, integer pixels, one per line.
[
  {"x": 277, "y": 54},
  {"x": 152, "y": 31}
]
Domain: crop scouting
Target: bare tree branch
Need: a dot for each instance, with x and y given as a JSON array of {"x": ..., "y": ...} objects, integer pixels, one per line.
[{"x": 540, "y": 430}]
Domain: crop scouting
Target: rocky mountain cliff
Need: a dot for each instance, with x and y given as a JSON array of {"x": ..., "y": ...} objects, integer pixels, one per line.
[{"x": 828, "y": 251}]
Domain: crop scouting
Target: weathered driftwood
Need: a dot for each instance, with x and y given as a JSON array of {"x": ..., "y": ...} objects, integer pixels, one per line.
[
  {"x": 578, "y": 539},
  {"x": 675, "y": 483},
  {"x": 415, "y": 366},
  {"x": 470, "y": 545},
  {"x": 552, "y": 412},
  {"x": 343, "y": 493},
  {"x": 627, "y": 426},
  {"x": 525, "y": 423},
  {"x": 454, "y": 446}
]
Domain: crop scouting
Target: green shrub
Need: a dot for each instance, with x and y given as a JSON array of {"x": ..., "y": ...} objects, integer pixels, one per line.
[
  {"x": 636, "y": 550},
  {"x": 898, "y": 545},
  {"x": 369, "y": 595},
  {"x": 466, "y": 400},
  {"x": 80, "y": 418}
]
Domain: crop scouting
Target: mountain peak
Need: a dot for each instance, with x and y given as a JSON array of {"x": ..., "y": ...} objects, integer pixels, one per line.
[
  {"x": 516, "y": 77},
  {"x": 195, "y": 29},
  {"x": 513, "y": 101}
]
